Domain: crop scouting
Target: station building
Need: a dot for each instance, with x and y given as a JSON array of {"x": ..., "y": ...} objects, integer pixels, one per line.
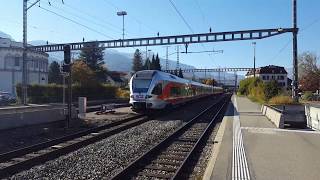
[
  {"x": 271, "y": 72},
  {"x": 11, "y": 66}
]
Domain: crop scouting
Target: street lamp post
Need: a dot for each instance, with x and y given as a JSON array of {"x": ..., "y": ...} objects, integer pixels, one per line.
[
  {"x": 254, "y": 59},
  {"x": 122, "y": 13}
]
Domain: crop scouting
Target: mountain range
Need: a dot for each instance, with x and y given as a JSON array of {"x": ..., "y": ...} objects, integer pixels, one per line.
[{"x": 120, "y": 61}]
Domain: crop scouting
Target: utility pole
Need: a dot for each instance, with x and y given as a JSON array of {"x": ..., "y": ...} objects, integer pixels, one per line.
[
  {"x": 167, "y": 58},
  {"x": 295, "y": 53},
  {"x": 205, "y": 72},
  {"x": 254, "y": 59},
  {"x": 224, "y": 78},
  {"x": 178, "y": 64},
  {"x": 235, "y": 81},
  {"x": 24, "y": 53},
  {"x": 219, "y": 82}
]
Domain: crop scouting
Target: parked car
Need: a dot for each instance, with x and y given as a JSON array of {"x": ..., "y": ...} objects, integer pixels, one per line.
[{"x": 6, "y": 98}]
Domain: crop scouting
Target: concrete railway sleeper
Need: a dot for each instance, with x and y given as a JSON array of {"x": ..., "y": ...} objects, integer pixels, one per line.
[{"x": 172, "y": 157}]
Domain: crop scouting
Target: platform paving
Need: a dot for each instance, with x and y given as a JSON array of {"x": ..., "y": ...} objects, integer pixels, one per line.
[{"x": 268, "y": 152}]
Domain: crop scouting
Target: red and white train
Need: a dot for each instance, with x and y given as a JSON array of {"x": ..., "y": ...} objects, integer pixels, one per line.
[{"x": 152, "y": 89}]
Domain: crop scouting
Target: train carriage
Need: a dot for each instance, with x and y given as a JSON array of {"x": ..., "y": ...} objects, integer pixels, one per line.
[{"x": 152, "y": 89}]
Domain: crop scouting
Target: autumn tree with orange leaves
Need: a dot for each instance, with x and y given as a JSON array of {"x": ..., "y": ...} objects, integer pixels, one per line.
[{"x": 309, "y": 72}]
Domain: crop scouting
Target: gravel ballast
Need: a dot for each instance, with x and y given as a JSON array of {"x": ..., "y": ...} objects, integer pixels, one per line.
[
  {"x": 107, "y": 157},
  {"x": 104, "y": 158}
]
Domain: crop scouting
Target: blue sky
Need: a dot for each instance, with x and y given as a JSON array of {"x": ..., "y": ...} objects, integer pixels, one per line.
[{"x": 147, "y": 17}]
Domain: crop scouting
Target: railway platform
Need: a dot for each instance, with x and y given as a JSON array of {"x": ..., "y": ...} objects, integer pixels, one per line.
[{"x": 249, "y": 146}]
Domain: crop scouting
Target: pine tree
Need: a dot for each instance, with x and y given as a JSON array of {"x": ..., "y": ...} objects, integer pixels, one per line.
[
  {"x": 153, "y": 63},
  {"x": 54, "y": 73},
  {"x": 137, "y": 61},
  {"x": 180, "y": 73},
  {"x": 147, "y": 64},
  {"x": 157, "y": 63},
  {"x": 92, "y": 54}
]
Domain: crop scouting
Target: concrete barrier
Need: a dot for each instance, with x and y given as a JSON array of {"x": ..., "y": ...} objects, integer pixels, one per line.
[
  {"x": 82, "y": 107},
  {"x": 30, "y": 116},
  {"x": 293, "y": 115},
  {"x": 312, "y": 113},
  {"x": 274, "y": 115}
]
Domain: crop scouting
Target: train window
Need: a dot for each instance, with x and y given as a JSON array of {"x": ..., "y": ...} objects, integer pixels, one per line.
[
  {"x": 174, "y": 91},
  {"x": 157, "y": 90},
  {"x": 140, "y": 85}
]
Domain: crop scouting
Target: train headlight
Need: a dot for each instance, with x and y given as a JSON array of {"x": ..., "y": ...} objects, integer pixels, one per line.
[
  {"x": 148, "y": 96},
  {"x": 132, "y": 96}
]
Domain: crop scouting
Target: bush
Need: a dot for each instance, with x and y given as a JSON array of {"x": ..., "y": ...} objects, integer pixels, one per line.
[
  {"x": 257, "y": 90},
  {"x": 123, "y": 93},
  {"x": 271, "y": 89},
  {"x": 308, "y": 96},
  {"x": 52, "y": 93},
  {"x": 281, "y": 100},
  {"x": 246, "y": 84}
]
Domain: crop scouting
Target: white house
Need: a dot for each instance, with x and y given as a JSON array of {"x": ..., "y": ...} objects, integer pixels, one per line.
[
  {"x": 11, "y": 66},
  {"x": 271, "y": 72}
]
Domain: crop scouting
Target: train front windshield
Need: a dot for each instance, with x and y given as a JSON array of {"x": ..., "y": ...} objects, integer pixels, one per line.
[{"x": 140, "y": 85}]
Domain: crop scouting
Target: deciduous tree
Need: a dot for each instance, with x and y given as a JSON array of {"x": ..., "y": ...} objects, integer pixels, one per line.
[
  {"x": 92, "y": 54},
  {"x": 309, "y": 72},
  {"x": 82, "y": 73}
]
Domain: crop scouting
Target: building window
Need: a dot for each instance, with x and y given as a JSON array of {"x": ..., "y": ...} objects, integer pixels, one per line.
[
  {"x": 17, "y": 61},
  {"x": 267, "y": 77},
  {"x": 263, "y": 77}
]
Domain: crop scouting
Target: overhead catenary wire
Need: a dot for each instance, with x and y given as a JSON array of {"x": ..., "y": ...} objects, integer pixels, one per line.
[
  {"x": 85, "y": 18},
  {"x": 75, "y": 22},
  {"x": 98, "y": 19},
  {"x": 131, "y": 17},
  {"x": 284, "y": 47},
  {"x": 181, "y": 16},
  {"x": 188, "y": 25}
]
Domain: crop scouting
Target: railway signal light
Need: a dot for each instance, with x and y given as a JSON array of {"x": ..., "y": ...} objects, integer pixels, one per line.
[
  {"x": 67, "y": 54},
  {"x": 66, "y": 68}
]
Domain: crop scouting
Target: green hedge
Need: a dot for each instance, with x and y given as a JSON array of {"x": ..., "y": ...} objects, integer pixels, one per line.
[
  {"x": 52, "y": 93},
  {"x": 257, "y": 90}
]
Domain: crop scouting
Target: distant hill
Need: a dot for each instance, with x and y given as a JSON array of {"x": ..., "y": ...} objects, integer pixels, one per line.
[
  {"x": 120, "y": 61},
  {"x": 5, "y": 35}
]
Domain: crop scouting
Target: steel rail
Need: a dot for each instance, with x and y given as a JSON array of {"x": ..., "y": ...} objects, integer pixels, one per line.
[
  {"x": 147, "y": 158},
  {"x": 17, "y": 160},
  {"x": 24, "y": 158}
]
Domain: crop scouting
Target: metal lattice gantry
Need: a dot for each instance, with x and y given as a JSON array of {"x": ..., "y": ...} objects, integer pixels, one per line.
[
  {"x": 173, "y": 40},
  {"x": 212, "y": 70}
]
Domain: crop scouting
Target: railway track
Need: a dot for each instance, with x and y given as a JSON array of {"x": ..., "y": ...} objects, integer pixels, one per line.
[
  {"x": 24, "y": 158},
  {"x": 173, "y": 157}
]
